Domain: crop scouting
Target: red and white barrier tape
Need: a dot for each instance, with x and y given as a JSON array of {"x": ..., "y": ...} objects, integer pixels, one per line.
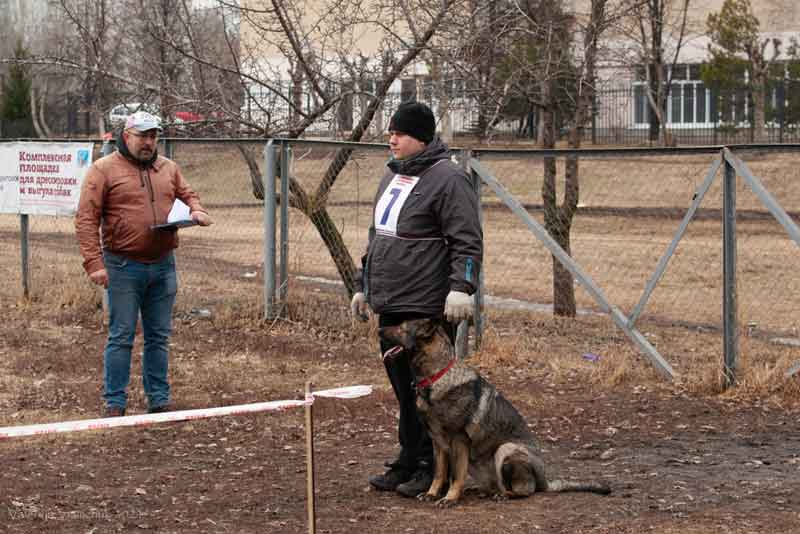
[{"x": 349, "y": 392}]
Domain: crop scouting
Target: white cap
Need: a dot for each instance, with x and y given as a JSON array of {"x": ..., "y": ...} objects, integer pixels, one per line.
[{"x": 143, "y": 121}]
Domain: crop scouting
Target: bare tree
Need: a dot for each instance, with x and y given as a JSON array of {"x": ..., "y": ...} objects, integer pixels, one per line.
[
  {"x": 96, "y": 48},
  {"x": 156, "y": 26},
  {"x": 562, "y": 58},
  {"x": 125, "y": 51},
  {"x": 169, "y": 38},
  {"x": 659, "y": 29},
  {"x": 559, "y": 219},
  {"x": 321, "y": 52}
]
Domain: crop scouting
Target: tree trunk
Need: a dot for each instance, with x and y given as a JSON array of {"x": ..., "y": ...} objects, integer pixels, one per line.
[
  {"x": 759, "y": 113},
  {"x": 42, "y": 119},
  {"x": 256, "y": 181},
  {"x": 297, "y": 93},
  {"x": 555, "y": 222},
  {"x": 443, "y": 100},
  {"x": 656, "y": 91},
  {"x": 558, "y": 219},
  {"x": 35, "y": 115},
  {"x": 338, "y": 250}
]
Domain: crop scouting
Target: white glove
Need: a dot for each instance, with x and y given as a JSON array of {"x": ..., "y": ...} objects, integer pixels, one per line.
[
  {"x": 359, "y": 308},
  {"x": 458, "y": 306}
]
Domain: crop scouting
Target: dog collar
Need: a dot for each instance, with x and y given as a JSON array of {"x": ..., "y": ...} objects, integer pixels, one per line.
[{"x": 431, "y": 380}]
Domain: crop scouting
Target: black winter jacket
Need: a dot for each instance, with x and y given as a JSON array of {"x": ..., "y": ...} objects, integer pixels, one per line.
[{"x": 425, "y": 239}]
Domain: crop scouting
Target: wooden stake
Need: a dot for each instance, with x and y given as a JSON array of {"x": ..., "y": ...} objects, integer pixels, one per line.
[{"x": 312, "y": 522}]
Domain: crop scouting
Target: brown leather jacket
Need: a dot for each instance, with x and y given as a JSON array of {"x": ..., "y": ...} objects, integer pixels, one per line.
[{"x": 127, "y": 199}]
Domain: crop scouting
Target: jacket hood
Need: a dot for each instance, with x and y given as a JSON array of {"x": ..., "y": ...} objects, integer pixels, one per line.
[
  {"x": 433, "y": 152},
  {"x": 122, "y": 146}
]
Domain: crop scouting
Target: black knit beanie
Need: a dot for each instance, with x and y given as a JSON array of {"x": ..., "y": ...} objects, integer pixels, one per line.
[{"x": 414, "y": 119}]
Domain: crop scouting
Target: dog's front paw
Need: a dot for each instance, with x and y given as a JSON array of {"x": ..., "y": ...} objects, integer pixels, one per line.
[
  {"x": 500, "y": 497},
  {"x": 446, "y": 503},
  {"x": 427, "y": 497}
]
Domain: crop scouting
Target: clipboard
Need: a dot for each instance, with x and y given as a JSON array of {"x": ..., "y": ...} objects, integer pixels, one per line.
[
  {"x": 174, "y": 225},
  {"x": 178, "y": 218}
]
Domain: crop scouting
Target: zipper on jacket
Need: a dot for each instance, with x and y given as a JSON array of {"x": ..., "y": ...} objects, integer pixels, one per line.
[{"x": 150, "y": 191}]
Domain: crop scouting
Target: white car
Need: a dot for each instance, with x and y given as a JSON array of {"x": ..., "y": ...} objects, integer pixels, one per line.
[{"x": 120, "y": 112}]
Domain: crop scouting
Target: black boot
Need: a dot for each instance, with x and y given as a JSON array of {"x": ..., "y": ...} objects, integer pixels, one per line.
[
  {"x": 419, "y": 482},
  {"x": 391, "y": 479}
]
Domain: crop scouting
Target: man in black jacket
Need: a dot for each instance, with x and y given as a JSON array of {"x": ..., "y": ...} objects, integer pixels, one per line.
[{"x": 423, "y": 258}]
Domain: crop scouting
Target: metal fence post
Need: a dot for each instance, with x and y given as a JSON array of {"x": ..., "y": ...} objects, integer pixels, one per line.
[
  {"x": 477, "y": 315},
  {"x": 24, "y": 230},
  {"x": 286, "y": 155},
  {"x": 462, "y": 331},
  {"x": 269, "y": 230},
  {"x": 729, "y": 307},
  {"x": 781, "y": 98},
  {"x": 169, "y": 149},
  {"x": 107, "y": 148}
]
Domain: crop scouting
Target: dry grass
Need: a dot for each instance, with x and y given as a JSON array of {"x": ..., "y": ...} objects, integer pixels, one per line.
[{"x": 591, "y": 351}]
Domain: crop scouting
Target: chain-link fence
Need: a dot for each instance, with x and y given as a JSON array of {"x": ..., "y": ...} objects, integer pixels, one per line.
[{"x": 630, "y": 208}]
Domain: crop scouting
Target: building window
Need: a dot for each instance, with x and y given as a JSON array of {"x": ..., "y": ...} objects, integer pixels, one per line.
[
  {"x": 701, "y": 101},
  {"x": 641, "y": 106},
  {"x": 689, "y": 103},
  {"x": 675, "y": 95}
]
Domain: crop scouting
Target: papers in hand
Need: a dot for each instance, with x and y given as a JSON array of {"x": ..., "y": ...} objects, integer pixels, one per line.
[{"x": 179, "y": 217}]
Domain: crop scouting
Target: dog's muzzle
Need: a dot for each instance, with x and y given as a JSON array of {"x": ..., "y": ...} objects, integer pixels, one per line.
[{"x": 391, "y": 353}]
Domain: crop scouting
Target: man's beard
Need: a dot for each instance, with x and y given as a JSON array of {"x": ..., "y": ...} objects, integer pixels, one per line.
[{"x": 144, "y": 154}]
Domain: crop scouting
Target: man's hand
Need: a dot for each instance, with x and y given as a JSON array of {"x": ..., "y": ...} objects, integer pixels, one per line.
[
  {"x": 99, "y": 277},
  {"x": 359, "y": 308},
  {"x": 202, "y": 218},
  {"x": 458, "y": 306}
]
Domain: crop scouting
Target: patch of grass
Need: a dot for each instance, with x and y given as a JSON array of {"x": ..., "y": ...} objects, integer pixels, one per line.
[{"x": 591, "y": 351}]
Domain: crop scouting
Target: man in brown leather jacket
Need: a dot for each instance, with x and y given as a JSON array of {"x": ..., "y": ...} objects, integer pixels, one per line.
[{"x": 125, "y": 194}]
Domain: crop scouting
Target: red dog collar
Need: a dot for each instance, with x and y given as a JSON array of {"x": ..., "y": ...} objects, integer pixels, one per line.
[{"x": 431, "y": 380}]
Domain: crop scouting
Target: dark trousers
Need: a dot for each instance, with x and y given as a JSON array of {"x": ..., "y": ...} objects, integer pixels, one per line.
[{"x": 416, "y": 448}]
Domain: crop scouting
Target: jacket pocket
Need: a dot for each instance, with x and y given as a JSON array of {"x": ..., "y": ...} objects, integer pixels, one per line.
[{"x": 121, "y": 237}]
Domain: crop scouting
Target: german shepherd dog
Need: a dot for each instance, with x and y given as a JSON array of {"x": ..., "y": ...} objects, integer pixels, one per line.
[{"x": 474, "y": 428}]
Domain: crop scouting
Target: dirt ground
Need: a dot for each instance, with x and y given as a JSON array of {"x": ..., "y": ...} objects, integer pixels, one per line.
[{"x": 676, "y": 461}]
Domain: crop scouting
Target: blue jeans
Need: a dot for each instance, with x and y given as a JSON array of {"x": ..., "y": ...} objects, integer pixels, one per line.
[{"x": 138, "y": 288}]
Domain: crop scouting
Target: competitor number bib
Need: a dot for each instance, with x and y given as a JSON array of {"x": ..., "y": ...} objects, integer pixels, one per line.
[{"x": 391, "y": 202}]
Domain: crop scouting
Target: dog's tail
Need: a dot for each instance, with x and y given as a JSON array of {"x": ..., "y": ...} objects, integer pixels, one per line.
[{"x": 570, "y": 485}]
